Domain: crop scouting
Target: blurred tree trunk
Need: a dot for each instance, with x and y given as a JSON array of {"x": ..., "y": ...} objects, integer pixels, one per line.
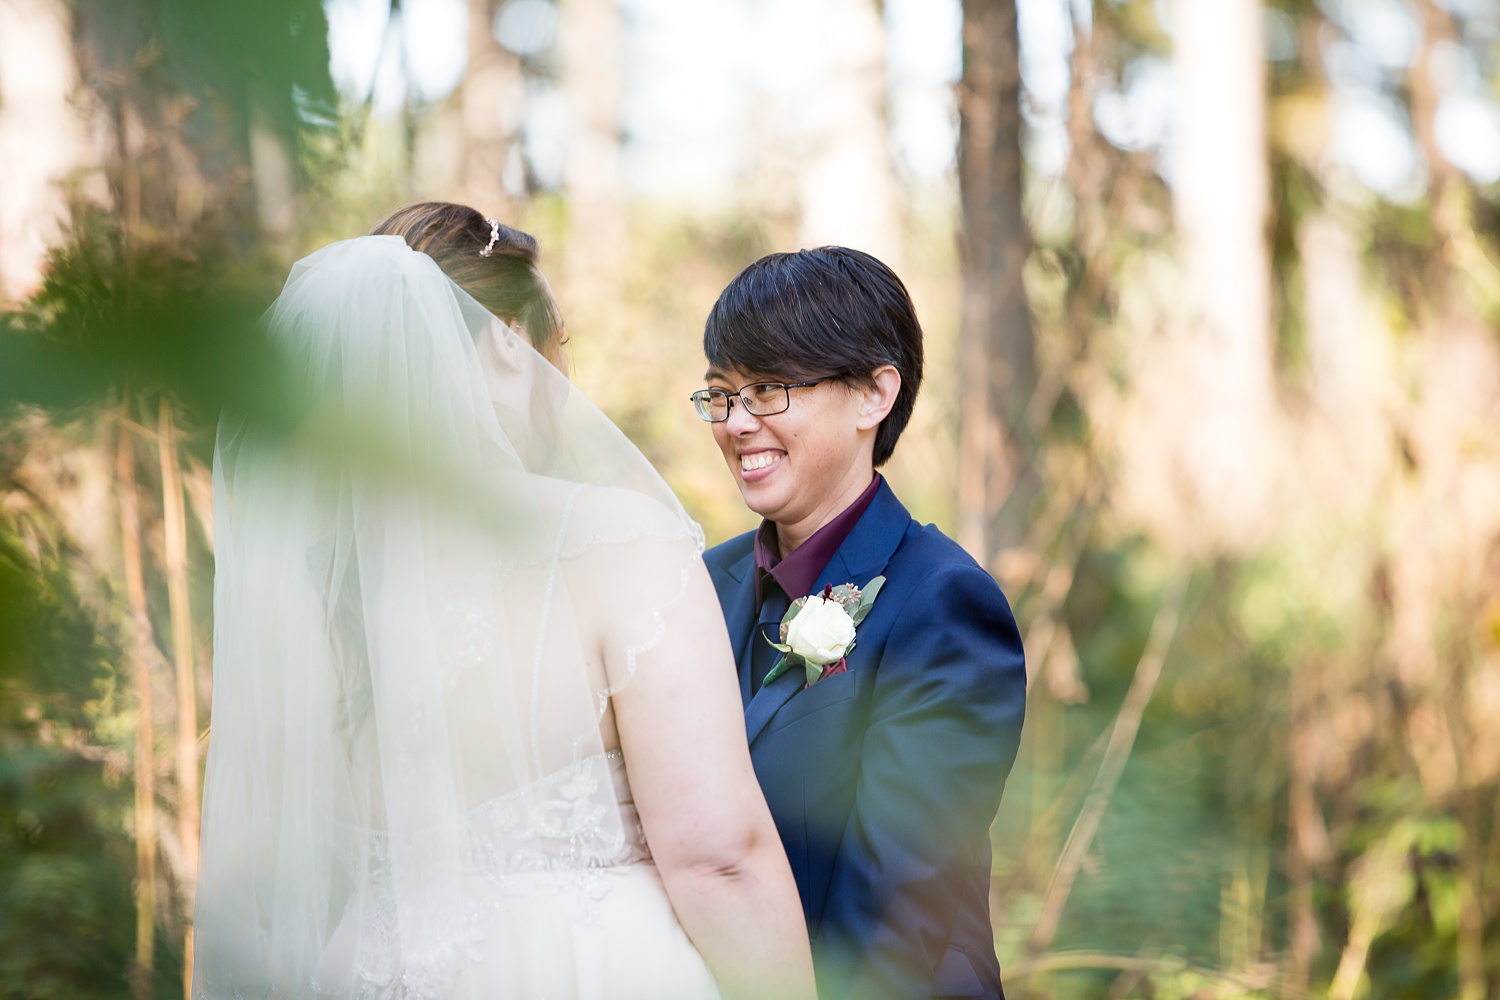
[
  {"x": 1307, "y": 843},
  {"x": 1452, "y": 233},
  {"x": 848, "y": 189},
  {"x": 469, "y": 149},
  {"x": 174, "y": 531},
  {"x": 997, "y": 482},
  {"x": 44, "y": 140},
  {"x": 274, "y": 171},
  {"x": 1089, "y": 174},
  {"x": 140, "y": 653},
  {"x": 1220, "y": 182},
  {"x": 1443, "y": 183},
  {"x": 589, "y": 36},
  {"x": 492, "y": 102}
]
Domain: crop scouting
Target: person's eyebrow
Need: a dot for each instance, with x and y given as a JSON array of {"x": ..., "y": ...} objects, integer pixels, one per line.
[{"x": 714, "y": 373}]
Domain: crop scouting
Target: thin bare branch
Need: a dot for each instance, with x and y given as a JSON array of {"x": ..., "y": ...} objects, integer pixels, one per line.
[
  {"x": 1116, "y": 755},
  {"x": 174, "y": 531},
  {"x": 145, "y": 764}
]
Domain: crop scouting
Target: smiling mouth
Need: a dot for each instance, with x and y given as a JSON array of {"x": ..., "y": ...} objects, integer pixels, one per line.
[{"x": 759, "y": 460}]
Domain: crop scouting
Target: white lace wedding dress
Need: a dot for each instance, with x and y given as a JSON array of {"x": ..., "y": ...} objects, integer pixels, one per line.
[
  {"x": 554, "y": 907},
  {"x": 427, "y": 592}
]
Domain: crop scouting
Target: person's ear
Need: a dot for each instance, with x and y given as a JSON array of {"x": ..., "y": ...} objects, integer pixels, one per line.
[
  {"x": 878, "y": 396},
  {"x": 499, "y": 347}
]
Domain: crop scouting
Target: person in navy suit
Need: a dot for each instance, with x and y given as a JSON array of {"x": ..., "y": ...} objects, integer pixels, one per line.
[{"x": 883, "y": 770}]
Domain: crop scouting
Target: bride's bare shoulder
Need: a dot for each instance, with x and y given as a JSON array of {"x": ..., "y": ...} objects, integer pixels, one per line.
[
  {"x": 609, "y": 513},
  {"x": 625, "y": 555}
]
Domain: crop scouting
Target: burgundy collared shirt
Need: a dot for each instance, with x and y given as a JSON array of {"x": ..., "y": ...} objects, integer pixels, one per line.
[{"x": 798, "y": 573}]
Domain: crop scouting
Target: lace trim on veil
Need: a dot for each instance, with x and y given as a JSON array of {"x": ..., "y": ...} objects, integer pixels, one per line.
[{"x": 691, "y": 530}]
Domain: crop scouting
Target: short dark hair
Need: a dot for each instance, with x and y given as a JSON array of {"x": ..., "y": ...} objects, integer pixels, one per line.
[
  {"x": 827, "y": 312},
  {"x": 506, "y": 281}
]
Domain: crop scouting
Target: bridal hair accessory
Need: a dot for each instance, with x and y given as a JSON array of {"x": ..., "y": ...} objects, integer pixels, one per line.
[
  {"x": 818, "y": 631},
  {"x": 489, "y": 247}
]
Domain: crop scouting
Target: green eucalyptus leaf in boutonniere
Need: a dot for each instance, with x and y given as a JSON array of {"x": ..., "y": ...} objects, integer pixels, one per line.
[
  {"x": 867, "y": 599},
  {"x": 819, "y": 630}
]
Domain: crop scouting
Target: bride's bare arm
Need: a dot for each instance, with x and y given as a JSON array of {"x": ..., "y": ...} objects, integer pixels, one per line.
[{"x": 682, "y": 730}]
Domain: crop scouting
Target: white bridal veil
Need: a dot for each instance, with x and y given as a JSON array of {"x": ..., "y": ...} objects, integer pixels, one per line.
[{"x": 411, "y": 654}]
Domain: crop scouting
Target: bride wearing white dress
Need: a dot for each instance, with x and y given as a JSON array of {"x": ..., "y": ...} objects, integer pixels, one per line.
[{"x": 476, "y": 729}]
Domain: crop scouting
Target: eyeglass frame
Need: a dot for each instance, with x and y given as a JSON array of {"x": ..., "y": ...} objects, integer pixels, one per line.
[{"x": 730, "y": 397}]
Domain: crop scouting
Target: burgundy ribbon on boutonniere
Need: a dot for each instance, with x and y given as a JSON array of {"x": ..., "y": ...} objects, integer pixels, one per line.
[{"x": 819, "y": 631}]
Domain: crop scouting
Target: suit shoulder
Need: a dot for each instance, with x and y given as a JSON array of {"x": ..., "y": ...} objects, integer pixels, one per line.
[
  {"x": 727, "y": 553},
  {"x": 927, "y": 550},
  {"x": 931, "y": 563}
]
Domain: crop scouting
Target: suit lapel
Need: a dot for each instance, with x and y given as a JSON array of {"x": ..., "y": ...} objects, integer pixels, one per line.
[
  {"x": 769, "y": 699},
  {"x": 739, "y": 616},
  {"x": 869, "y": 547},
  {"x": 862, "y": 556}
]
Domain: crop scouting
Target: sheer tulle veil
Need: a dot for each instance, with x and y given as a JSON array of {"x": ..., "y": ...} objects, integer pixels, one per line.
[{"x": 407, "y": 626}]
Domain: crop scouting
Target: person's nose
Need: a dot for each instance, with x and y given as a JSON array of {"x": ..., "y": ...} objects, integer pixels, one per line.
[{"x": 741, "y": 421}]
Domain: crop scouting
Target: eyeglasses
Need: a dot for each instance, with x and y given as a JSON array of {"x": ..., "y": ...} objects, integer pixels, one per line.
[{"x": 761, "y": 399}]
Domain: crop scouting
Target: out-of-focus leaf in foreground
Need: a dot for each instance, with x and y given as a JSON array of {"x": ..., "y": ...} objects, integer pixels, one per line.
[{"x": 146, "y": 314}]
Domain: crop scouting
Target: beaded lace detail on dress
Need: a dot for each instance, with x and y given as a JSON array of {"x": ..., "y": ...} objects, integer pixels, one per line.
[{"x": 559, "y": 836}]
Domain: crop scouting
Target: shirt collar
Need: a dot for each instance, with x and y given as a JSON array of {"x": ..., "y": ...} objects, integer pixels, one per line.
[{"x": 796, "y": 574}]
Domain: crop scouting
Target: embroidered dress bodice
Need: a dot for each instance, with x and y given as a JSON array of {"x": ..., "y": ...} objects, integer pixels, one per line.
[
  {"x": 579, "y": 819},
  {"x": 574, "y": 821},
  {"x": 561, "y": 839}
]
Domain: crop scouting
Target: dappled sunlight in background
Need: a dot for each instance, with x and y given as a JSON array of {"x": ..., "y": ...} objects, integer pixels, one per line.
[{"x": 1213, "y": 388}]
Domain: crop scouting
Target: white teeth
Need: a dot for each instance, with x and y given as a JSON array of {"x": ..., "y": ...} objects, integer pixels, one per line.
[{"x": 759, "y": 460}]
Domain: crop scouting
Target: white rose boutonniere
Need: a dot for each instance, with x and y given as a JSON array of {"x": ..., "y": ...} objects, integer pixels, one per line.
[
  {"x": 819, "y": 630},
  {"x": 822, "y": 631}
]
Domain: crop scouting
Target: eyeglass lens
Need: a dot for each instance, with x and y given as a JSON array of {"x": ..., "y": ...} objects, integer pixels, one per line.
[{"x": 762, "y": 399}]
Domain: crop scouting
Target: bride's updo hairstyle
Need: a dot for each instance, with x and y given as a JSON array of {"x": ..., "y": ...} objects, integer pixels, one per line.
[{"x": 496, "y": 265}]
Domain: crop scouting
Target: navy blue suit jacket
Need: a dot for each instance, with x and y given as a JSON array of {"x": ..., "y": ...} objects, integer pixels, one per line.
[{"x": 884, "y": 780}]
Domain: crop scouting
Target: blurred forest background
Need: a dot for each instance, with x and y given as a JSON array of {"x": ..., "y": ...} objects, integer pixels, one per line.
[{"x": 1210, "y": 290}]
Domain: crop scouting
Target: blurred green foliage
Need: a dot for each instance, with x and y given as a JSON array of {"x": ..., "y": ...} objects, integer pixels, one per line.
[
  {"x": 66, "y": 856},
  {"x": 161, "y": 292},
  {"x": 150, "y": 314}
]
